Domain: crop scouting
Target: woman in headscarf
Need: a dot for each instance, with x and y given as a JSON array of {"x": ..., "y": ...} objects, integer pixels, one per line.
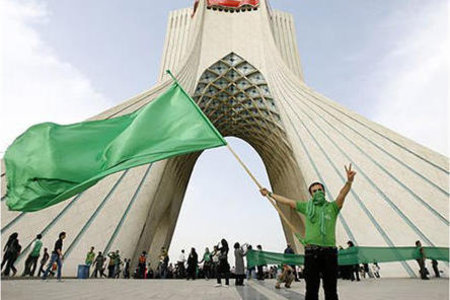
[
  {"x": 239, "y": 254},
  {"x": 223, "y": 268},
  {"x": 206, "y": 260},
  {"x": 192, "y": 264},
  {"x": 12, "y": 250}
]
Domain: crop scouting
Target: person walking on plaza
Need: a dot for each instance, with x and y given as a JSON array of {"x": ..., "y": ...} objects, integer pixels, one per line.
[
  {"x": 260, "y": 267},
  {"x": 421, "y": 260},
  {"x": 250, "y": 270},
  {"x": 376, "y": 269},
  {"x": 141, "y": 265},
  {"x": 434, "y": 263},
  {"x": 31, "y": 261},
  {"x": 117, "y": 263},
  {"x": 223, "y": 267},
  {"x": 5, "y": 249},
  {"x": 12, "y": 251},
  {"x": 367, "y": 270},
  {"x": 215, "y": 261},
  {"x": 44, "y": 260},
  {"x": 90, "y": 258},
  {"x": 57, "y": 256},
  {"x": 320, "y": 235},
  {"x": 99, "y": 261},
  {"x": 354, "y": 269},
  {"x": 239, "y": 254},
  {"x": 126, "y": 268},
  {"x": 111, "y": 264},
  {"x": 180, "y": 263},
  {"x": 206, "y": 260},
  {"x": 192, "y": 265},
  {"x": 164, "y": 263}
]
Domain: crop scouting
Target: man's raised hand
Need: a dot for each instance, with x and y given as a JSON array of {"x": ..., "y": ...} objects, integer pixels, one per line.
[{"x": 350, "y": 173}]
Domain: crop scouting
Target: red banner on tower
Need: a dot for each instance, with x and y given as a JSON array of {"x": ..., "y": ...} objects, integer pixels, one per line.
[{"x": 232, "y": 3}]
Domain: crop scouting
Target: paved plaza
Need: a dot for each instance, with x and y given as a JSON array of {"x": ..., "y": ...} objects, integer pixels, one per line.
[{"x": 94, "y": 289}]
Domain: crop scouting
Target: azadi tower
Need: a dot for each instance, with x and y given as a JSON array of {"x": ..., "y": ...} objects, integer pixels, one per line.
[{"x": 239, "y": 60}]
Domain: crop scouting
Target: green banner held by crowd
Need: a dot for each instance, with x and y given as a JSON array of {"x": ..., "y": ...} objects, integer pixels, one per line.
[
  {"x": 50, "y": 163},
  {"x": 351, "y": 256}
]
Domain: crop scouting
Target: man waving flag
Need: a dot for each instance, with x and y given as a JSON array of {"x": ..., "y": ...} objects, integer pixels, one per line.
[{"x": 50, "y": 163}]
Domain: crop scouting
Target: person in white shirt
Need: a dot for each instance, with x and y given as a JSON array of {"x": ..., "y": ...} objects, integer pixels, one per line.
[{"x": 180, "y": 262}]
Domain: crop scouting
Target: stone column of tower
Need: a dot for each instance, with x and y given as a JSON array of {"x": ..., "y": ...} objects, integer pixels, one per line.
[{"x": 242, "y": 67}]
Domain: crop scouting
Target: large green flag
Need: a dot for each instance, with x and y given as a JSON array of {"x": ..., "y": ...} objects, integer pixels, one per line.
[{"x": 50, "y": 163}]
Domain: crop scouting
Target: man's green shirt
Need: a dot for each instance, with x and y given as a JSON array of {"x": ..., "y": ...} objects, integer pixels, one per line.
[
  {"x": 90, "y": 258},
  {"x": 312, "y": 229}
]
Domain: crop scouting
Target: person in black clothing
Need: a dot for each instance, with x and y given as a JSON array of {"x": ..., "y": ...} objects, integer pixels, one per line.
[
  {"x": 44, "y": 259},
  {"x": 260, "y": 273},
  {"x": 12, "y": 251},
  {"x": 5, "y": 249},
  {"x": 367, "y": 270},
  {"x": 354, "y": 269},
  {"x": 192, "y": 264},
  {"x": 223, "y": 268},
  {"x": 150, "y": 272},
  {"x": 57, "y": 256},
  {"x": 98, "y": 265},
  {"x": 126, "y": 269},
  {"x": 434, "y": 263},
  {"x": 289, "y": 250}
]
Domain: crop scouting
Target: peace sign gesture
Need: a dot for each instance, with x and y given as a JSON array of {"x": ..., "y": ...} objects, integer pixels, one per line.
[{"x": 350, "y": 173}]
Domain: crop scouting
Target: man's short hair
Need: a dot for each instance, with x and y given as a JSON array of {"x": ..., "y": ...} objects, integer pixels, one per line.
[
  {"x": 315, "y": 183},
  {"x": 62, "y": 233},
  {"x": 39, "y": 236}
]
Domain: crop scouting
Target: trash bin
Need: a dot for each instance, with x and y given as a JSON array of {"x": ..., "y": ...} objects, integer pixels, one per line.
[{"x": 83, "y": 271}]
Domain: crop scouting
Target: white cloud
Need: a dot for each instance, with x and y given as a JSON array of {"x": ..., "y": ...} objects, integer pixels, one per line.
[
  {"x": 412, "y": 98},
  {"x": 37, "y": 86}
]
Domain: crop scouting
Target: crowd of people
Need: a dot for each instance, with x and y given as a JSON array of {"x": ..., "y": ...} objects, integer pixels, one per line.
[{"x": 212, "y": 264}]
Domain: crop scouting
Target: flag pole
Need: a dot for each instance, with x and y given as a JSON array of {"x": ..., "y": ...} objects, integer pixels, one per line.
[
  {"x": 271, "y": 200},
  {"x": 171, "y": 75}
]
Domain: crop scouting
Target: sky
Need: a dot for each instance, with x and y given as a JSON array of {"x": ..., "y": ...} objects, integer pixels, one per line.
[{"x": 64, "y": 61}]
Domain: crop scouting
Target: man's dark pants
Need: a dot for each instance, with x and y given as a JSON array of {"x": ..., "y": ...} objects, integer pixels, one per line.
[
  {"x": 30, "y": 265},
  {"x": 321, "y": 261},
  {"x": 422, "y": 270},
  {"x": 181, "y": 270},
  {"x": 260, "y": 274}
]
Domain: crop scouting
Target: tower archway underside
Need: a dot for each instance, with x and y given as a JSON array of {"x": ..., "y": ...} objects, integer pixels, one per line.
[{"x": 236, "y": 98}]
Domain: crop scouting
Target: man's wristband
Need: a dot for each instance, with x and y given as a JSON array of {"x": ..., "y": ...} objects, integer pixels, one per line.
[{"x": 348, "y": 181}]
